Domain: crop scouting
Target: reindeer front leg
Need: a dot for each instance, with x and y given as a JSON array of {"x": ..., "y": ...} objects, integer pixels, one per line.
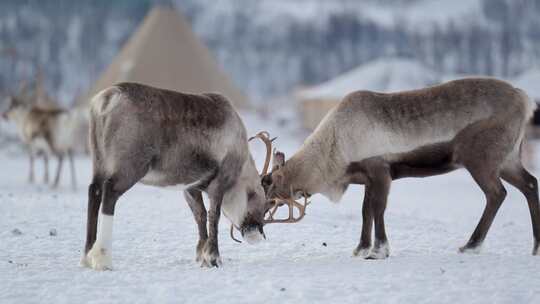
[
  {"x": 367, "y": 224},
  {"x": 356, "y": 175},
  {"x": 31, "y": 164},
  {"x": 45, "y": 168},
  {"x": 60, "y": 158},
  {"x": 377, "y": 181},
  {"x": 210, "y": 254},
  {"x": 72, "y": 166},
  {"x": 379, "y": 187},
  {"x": 196, "y": 204}
]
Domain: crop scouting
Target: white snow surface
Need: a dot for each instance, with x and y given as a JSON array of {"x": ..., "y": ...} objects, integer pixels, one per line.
[
  {"x": 381, "y": 75},
  {"x": 309, "y": 262}
]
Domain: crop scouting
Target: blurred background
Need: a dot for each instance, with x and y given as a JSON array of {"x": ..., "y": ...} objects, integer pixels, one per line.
[{"x": 303, "y": 53}]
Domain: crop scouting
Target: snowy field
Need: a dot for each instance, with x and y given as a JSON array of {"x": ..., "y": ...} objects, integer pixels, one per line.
[{"x": 309, "y": 262}]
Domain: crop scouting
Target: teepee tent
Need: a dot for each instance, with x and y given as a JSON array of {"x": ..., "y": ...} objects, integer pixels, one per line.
[
  {"x": 382, "y": 75},
  {"x": 165, "y": 53}
]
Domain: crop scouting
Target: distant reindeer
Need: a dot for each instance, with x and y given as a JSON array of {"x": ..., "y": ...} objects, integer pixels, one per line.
[
  {"x": 164, "y": 138},
  {"x": 46, "y": 132},
  {"x": 373, "y": 138}
]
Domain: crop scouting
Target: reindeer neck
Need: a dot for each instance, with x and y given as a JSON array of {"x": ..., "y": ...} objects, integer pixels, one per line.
[
  {"x": 317, "y": 168},
  {"x": 306, "y": 172}
]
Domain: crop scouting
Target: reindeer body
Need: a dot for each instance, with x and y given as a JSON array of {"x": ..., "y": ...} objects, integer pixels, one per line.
[
  {"x": 372, "y": 138},
  {"x": 169, "y": 139}
]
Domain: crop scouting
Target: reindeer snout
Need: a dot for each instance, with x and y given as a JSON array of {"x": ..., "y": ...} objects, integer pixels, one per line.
[{"x": 253, "y": 234}]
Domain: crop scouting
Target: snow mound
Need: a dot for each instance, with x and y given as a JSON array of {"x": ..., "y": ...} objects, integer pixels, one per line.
[{"x": 382, "y": 75}]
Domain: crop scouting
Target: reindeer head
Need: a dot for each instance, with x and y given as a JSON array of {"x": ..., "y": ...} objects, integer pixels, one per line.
[
  {"x": 245, "y": 206},
  {"x": 277, "y": 188},
  {"x": 14, "y": 107},
  {"x": 17, "y": 103},
  {"x": 270, "y": 195}
]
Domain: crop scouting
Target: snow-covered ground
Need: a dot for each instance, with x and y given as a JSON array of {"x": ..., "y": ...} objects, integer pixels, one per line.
[{"x": 308, "y": 262}]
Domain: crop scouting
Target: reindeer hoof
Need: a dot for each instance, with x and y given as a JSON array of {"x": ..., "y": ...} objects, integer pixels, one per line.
[
  {"x": 210, "y": 256},
  {"x": 210, "y": 261},
  {"x": 378, "y": 253},
  {"x": 361, "y": 252},
  {"x": 199, "y": 250},
  {"x": 469, "y": 249},
  {"x": 84, "y": 262},
  {"x": 98, "y": 259}
]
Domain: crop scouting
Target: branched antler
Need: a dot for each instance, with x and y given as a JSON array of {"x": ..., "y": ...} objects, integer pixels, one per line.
[
  {"x": 265, "y": 137},
  {"x": 278, "y": 202},
  {"x": 291, "y": 204}
]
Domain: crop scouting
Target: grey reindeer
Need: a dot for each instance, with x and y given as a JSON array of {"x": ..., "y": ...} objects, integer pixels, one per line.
[
  {"x": 164, "y": 138},
  {"x": 373, "y": 138}
]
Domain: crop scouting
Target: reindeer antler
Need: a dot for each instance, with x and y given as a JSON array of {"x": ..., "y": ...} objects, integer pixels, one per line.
[
  {"x": 291, "y": 204},
  {"x": 231, "y": 232},
  {"x": 278, "y": 202},
  {"x": 265, "y": 137}
]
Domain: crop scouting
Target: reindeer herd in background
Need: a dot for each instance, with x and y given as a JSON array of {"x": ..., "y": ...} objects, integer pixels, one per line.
[{"x": 46, "y": 130}]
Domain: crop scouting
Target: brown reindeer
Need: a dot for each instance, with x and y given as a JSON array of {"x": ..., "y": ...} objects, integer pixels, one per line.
[
  {"x": 373, "y": 138},
  {"x": 48, "y": 131},
  {"x": 164, "y": 138}
]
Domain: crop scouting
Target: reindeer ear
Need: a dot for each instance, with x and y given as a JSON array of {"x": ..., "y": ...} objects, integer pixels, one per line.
[{"x": 278, "y": 160}]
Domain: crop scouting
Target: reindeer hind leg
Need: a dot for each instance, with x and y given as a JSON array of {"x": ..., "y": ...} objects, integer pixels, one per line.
[
  {"x": 482, "y": 149},
  {"x": 128, "y": 173},
  {"x": 516, "y": 175},
  {"x": 94, "y": 202},
  {"x": 490, "y": 183}
]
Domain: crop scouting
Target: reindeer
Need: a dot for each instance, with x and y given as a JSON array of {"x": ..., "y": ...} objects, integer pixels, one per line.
[
  {"x": 46, "y": 131},
  {"x": 373, "y": 138},
  {"x": 196, "y": 143},
  {"x": 34, "y": 144}
]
